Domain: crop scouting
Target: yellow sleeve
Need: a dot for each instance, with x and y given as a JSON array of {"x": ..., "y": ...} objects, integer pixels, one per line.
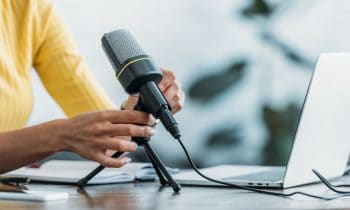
[{"x": 61, "y": 67}]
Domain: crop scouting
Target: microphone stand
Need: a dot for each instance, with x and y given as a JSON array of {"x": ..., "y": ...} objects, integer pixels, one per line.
[{"x": 165, "y": 177}]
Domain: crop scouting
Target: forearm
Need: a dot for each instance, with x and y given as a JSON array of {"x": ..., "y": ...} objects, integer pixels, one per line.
[
  {"x": 24, "y": 146},
  {"x": 90, "y": 135}
]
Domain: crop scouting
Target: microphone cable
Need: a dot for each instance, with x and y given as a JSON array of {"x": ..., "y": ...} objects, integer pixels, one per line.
[{"x": 231, "y": 185}]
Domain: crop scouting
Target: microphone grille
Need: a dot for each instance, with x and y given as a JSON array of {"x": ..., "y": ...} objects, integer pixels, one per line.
[{"x": 124, "y": 45}]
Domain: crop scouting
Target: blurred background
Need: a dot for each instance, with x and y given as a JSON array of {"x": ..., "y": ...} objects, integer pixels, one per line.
[{"x": 244, "y": 64}]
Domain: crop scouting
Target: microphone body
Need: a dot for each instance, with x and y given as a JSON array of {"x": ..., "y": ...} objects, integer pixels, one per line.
[{"x": 138, "y": 74}]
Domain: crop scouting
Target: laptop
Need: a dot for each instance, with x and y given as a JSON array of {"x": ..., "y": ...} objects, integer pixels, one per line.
[{"x": 321, "y": 141}]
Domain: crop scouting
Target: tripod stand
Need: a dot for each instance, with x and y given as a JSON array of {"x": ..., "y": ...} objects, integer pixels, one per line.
[{"x": 165, "y": 177}]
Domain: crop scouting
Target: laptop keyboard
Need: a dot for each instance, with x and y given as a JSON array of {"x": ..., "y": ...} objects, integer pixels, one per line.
[{"x": 263, "y": 176}]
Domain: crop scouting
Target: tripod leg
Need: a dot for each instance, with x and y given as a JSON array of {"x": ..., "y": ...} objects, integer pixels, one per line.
[
  {"x": 176, "y": 186},
  {"x": 162, "y": 179},
  {"x": 83, "y": 181}
]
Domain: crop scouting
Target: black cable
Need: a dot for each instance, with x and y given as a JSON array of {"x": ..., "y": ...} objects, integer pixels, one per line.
[
  {"x": 329, "y": 185},
  {"x": 341, "y": 185},
  {"x": 194, "y": 167}
]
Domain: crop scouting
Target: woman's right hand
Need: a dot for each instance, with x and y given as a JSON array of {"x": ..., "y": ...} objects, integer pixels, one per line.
[{"x": 91, "y": 134}]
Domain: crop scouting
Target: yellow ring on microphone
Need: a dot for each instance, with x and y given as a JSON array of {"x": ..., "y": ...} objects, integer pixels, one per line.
[{"x": 128, "y": 64}]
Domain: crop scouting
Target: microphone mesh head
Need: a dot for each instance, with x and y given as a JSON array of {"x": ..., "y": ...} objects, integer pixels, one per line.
[{"x": 124, "y": 45}]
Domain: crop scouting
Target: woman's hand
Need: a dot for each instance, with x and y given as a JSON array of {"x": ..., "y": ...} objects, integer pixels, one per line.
[
  {"x": 171, "y": 89},
  {"x": 92, "y": 134}
]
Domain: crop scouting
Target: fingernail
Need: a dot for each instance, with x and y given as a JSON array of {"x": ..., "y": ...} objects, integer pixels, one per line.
[
  {"x": 152, "y": 132},
  {"x": 134, "y": 145},
  {"x": 157, "y": 121},
  {"x": 126, "y": 160},
  {"x": 152, "y": 119}
]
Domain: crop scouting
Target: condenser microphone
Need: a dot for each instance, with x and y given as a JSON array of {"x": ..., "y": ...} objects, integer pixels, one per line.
[{"x": 138, "y": 74}]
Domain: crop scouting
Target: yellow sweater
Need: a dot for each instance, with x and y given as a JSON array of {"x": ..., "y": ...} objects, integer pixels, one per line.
[{"x": 32, "y": 35}]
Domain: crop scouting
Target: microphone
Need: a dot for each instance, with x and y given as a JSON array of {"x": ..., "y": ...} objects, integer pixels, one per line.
[{"x": 138, "y": 74}]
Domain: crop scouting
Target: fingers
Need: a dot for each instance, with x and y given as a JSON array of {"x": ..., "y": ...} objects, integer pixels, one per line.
[
  {"x": 107, "y": 161},
  {"x": 109, "y": 146},
  {"x": 178, "y": 101},
  {"x": 129, "y": 130},
  {"x": 171, "y": 89},
  {"x": 175, "y": 97},
  {"x": 110, "y": 152},
  {"x": 127, "y": 116},
  {"x": 168, "y": 79},
  {"x": 92, "y": 134},
  {"x": 117, "y": 144},
  {"x": 131, "y": 102},
  {"x": 172, "y": 92},
  {"x": 128, "y": 138}
]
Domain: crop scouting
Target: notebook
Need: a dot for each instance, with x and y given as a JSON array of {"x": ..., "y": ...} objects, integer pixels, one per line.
[{"x": 68, "y": 171}]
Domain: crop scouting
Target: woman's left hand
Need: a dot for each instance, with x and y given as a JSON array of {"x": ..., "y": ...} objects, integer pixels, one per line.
[{"x": 171, "y": 89}]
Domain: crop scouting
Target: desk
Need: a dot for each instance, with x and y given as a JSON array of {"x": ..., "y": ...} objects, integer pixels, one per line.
[{"x": 148, "y": 196}]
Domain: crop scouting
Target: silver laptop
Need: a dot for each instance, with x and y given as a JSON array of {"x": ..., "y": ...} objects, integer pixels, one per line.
[{"x": 321, "y": 142}]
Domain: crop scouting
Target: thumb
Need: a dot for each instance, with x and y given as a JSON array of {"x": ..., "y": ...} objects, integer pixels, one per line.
[{"x": 131, "y": 102}]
